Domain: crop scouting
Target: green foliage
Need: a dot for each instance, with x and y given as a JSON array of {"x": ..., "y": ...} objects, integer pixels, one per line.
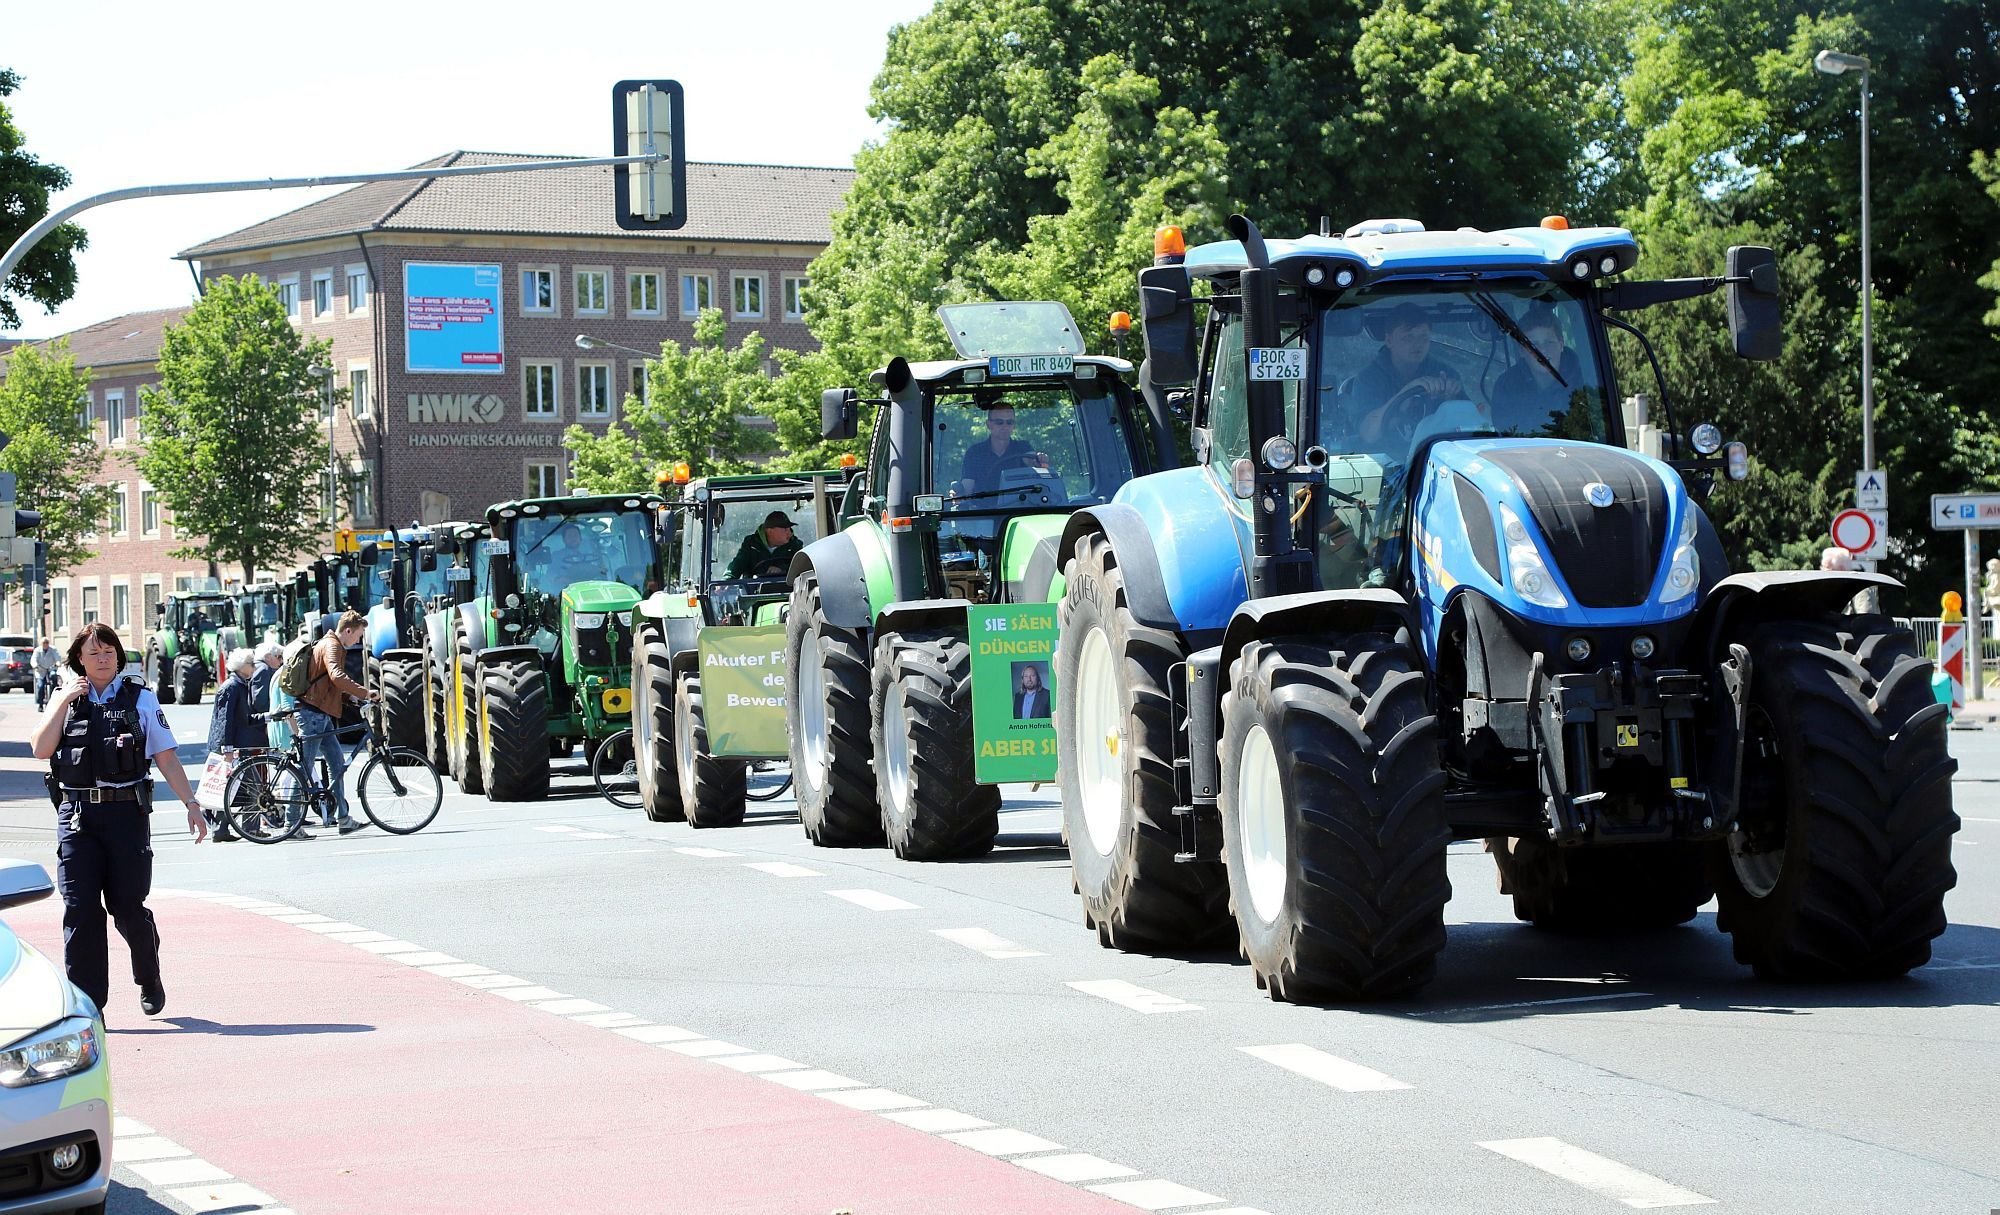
[
  {"x": 233, "y": 438},
  {"x": 47, "y": 275},
  {"x": 696, "y": 402},
  {"x": 53, "y": 457}
]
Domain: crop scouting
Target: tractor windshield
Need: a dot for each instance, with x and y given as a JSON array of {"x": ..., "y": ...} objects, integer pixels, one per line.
[
  {"x": 756, "y": 537},
  {"x": 555, "y": 551},
  {"x": 1040, "y": 448}
]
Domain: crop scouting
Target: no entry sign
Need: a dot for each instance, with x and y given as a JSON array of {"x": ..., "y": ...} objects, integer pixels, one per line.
[{"x": 1862, "y": 532}]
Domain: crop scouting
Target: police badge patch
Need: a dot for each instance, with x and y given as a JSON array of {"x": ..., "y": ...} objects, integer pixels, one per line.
[{"x": 162, "y": 715}]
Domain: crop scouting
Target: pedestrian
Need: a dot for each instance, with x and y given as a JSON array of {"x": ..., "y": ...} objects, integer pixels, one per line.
[
  {"x": 102, "y": 738},
  {"x": 320, "y": 708},
  {"x": 232, "y": 731},
  {"x": 47, "y": 659},
  {"x": 269, "y": 657},
  {"x": 1839, "y": 560}
]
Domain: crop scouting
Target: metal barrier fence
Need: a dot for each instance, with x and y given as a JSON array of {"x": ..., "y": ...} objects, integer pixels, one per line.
[{"x": 1926, "y": 630}]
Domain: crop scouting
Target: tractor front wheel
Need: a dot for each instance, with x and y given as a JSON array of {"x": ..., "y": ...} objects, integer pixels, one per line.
[
  {"x": 653, "y": 727},
  {"x": 514, "y": 731},
  {"x": 188, "y": 679},
  {"x": 932, "y": 808},
  {"x": 400, "y": 681},
  {"x": 436, "y": 749},
  {"x": 712, "y": 788},
  {"x": 826, "y": 714},
  {"x": 155, "y": 671},
  {"x": 463, "y": 689}
]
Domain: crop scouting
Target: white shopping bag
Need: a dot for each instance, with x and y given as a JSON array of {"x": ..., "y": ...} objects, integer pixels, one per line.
[{"x": 214, "y": 780}]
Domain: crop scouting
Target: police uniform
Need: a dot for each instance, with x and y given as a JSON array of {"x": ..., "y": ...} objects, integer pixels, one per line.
[{"x": 100, "y": 777}]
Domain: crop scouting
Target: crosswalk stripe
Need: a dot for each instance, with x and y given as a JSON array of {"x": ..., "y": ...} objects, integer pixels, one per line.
[
  {"x": 1330, "y": 1070},
  {"x": 1593, "y": 1172}
]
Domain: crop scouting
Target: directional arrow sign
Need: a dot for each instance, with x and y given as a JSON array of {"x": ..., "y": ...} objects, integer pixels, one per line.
[{"x": 1958, "y": 512}]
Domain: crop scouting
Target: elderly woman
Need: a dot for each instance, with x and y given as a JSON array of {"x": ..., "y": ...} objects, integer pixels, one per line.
[{"x": 230, "y": 726}]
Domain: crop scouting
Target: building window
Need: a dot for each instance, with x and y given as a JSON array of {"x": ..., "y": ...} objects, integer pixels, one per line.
[
  {"x": 323, "y": 296},
  {"x": 360, "y": 397},
  {"x": 642, "y": 386},
  {"x": 795, "y": 298},
  {"x": 539, "y": 401},
  {"x": 288, "y": 295},
  {"x": 121, "y": 606},
  {"x": 593, "y": 292},
  {"x": 149, "y": 511},
  {"x": 544, "y": 479},
  {"x": 746, "y": 295},
  {"x": 357, "y": 289},
  {"x": 121, "y": 522},
  {"x": 114, "y": 417},
  {"x": 85, "y": 412},
  {"x": 593, "y": 390},
  {"x": 697, "y": 293},
  {"x": 183, "y": 583},
  {"x": 59, "y": 610},
  {"x": 90, "y": 605},
  {"x": 642, "y": 293},
  {"x": 149, "y": 600},
  {"x": 538, "y": 289},
  {"x": 361, "y": 492}
]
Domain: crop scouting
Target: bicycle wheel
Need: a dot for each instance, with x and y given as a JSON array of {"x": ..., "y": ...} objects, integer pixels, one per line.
[
  {"x": 615, "y": 771},
  {"x": 768, "y": 779},
  {"x": 268, "y": 799},
  {"x": 400, "y": 791}
]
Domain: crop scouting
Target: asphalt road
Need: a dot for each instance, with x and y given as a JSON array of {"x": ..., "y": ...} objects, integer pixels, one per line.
[{"x": 1537, "y": 1073}]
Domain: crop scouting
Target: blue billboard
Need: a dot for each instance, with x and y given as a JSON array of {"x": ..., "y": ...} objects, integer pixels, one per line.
[{"x": 451, "y": 319}]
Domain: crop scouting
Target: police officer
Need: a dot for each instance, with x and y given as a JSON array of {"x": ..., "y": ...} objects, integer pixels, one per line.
[{"x": 102, "y": 737}]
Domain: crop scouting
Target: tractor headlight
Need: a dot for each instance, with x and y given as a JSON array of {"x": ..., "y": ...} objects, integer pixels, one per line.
[
  {"x": 1526, "y": 569},
  {"x": 64, "y": 1049},
  {"x": 1707, "y": 439},
  {"x": 589, "y": 620},
  {"x": 1685, "y": 572},
  {"x": 1280, "y": 453}
]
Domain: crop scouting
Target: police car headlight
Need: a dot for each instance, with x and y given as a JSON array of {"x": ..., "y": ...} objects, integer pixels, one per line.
[{"x": 66, "y": 1048}]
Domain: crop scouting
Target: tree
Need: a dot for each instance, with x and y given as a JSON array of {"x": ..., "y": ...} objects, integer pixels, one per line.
[
  {"x": 233, "y": 431},
  {"x": 47, "y": 275},
  {"x": 695, "y": 406},
  {"x": 53, "y": 457}
]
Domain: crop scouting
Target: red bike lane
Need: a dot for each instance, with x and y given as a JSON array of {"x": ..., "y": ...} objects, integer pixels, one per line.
[{"x": 340, "y": 1081}]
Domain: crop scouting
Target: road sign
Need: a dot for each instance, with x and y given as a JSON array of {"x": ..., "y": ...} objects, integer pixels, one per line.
[
  {"x": 1957, "y": 512},
  {"x": 1871, "y": 489},
  {"x": 1864, "y": 533}
]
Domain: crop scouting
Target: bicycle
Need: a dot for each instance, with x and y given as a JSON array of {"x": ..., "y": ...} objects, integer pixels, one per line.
[
  {"x": 270, "y": 794},
  {"x": 615, "y": 772}
]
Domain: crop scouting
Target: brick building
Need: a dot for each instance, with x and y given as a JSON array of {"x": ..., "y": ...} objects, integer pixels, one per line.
[{"x": 431, "y": 445}]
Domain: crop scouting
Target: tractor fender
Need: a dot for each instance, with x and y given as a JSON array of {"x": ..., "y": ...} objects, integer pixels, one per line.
[
  {"x": 509, "y": 653},
  {"x": 1138, "y": 560},
  {"x": 401, "y": 654},
  {"x": 475, "y": 627},
  {"x": 683, "y": 634},
  {"x": 837, "y": 562},
  {"x": 1315, "y": 612},
  {"x": 923, "y": 614},
  {"x": 684, "y": 661},
  {"x": 1741, "y": 601},
  {"x": 382, "y": 634}
]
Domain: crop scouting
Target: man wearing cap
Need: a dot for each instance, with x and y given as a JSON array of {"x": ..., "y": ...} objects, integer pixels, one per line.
[
  {"x": 1403, "y": 383},
  {"x": 766, "y": 552}
]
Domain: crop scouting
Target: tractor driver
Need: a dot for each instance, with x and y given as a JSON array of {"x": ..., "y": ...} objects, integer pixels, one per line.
[
  {"x": 1527, "y": 398},
  {"x": 984, "y": 462},
  {"x": 1402, "y": 385},
  {"x": 767, "y": 552},
  {"x": 577, "y": 557}
]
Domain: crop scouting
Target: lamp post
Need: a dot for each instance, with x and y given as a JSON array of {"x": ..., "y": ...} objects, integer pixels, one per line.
[
  {"x": 1835, "y": 63},
  {"x": 325, "y": 375}
]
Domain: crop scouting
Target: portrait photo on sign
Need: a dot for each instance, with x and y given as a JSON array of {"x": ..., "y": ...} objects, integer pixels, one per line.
[{"x": 1031, "y": 690}]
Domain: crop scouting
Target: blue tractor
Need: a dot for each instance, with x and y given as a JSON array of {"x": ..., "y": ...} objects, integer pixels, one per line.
[
  {"x": 405, "y": 581},
  {"x": 1424, "y": 583}
]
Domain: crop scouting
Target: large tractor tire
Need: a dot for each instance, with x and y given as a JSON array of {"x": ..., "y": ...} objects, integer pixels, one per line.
[
  {"x": 155, "y": 671},
  {"x": 826, "y": 672},
  {"x": 713, "y": 789},
  {"x": 1601, "y": 889},
  {"x": 188, "y": 679},
  {"x": 1115, "y": 764},
  {"x": 436, "y": 749},
  {"x": 1842, "y": 858},
  {"x": 514, "y": 730},
  {"x": 932, "y": 808},
  {"x": 653, "y": 727},
  {"x": 1333, "y": 817},
  {"x": 401, "y": 682},
  {"x": 463, "y": 689}
]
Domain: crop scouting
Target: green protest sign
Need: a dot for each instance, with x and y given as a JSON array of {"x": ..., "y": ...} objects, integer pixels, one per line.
[
  {"x": 743, "y": 690},
  {"x": 1013, "y": 691}
]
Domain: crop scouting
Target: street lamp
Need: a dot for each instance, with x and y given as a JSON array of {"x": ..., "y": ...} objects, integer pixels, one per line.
[
  {"x": 325, "y": 375},
  {"x": 1835, "y": 63},
  {"x": 586, "y": 342}
]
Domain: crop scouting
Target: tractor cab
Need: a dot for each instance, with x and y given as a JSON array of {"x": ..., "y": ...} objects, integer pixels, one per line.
[
  {"x": 193, "y": 632},
  {"x": 730, "y": 540}
]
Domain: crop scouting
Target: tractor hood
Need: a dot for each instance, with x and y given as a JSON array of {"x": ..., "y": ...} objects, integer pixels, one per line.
[
  {"x": 599, "y": 597},
  {"x": 1561, "y": 533}
]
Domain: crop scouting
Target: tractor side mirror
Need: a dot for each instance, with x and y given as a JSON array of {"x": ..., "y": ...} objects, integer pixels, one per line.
[
  {"x": 1166, "y": 301},
  {"x": 427, "y": 561},
  {"x": 1755, "y": 317},
  {"x": 839, "y": 414},
  {"x": 370, "y": 557}
]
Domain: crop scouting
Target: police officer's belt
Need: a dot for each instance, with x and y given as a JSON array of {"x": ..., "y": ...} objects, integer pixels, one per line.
[{"x": 123, "y": 794}]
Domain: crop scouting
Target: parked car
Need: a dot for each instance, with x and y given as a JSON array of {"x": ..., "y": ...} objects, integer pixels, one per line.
[
  {"x": 55, "y": 1086},
  {"x": 20, "y": 669}
]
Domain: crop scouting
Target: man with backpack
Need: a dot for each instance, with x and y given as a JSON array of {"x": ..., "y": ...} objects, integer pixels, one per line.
[{"x": 317, "y": 676}]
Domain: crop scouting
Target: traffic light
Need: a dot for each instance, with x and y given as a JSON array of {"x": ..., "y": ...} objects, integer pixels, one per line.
[{"x": 17, "y": 528}]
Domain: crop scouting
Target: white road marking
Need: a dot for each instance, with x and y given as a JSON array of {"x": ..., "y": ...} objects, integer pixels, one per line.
[
  {"x": 660, "y": 1033},
  {"x": 1154, "y": 1195},
  {"x": 938, "y": 1121},
  {"x": 1076, "y": 1166},
  {"x": 423, "y": 957},
  {"x": 1967, "y": 818},
  {"x": 570, "y": 1008},
  {"x": 1133, "y": 996},
  {"x": 121, "y": 1126},
  {"x": 558, "y": 828},
  {"x": 148, "y": 1147},
  {"x": 489, "y": 982},
  {"x": 609, "y": 1020},
  {"x": 188, "y": 1170},
  {"x": 593, "y": 835},
  {"x": 530, "y": 992},
  {"x": 703, "y": 1048},
  {"x": 990, "y": 944},
  {"x": 358, "y": 936},
  {"x": 1003, "y": 1141},
  {"x": 874, "y": 900},
  {"x": 224, "y": 1197},
  {"x": 813, "y": 1080},
  {"x": 760, "y": 1063},
  {"x": 333, "y": 926},
  {"x": 302, "y": 918},
  {"x": 387, "y": 946},
  {"x": 1593, "y": 1172},
  {"x": 1623, "y": 995},
  {"x": 705, "y": 852},
  {"x": 783, "y": 869},
  {"x": 1330, "y": 1070},
  {"x": 458, "y": 970},
  {"x": 873, "y": 1100}
]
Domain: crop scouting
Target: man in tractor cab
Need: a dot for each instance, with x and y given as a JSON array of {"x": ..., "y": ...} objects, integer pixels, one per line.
[
  {"x": 1405, "y": 382},
  {"x": 766, "y": 552},
  {"x": 577, "y": 556},
  {"x": 984, "y": 462},
  {"x": 1531, "y": 398}
]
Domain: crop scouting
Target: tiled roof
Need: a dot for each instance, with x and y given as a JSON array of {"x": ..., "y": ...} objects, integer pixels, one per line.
[
  {"x": 772, "y": 203},
  {"x": 132, "y": 338}
]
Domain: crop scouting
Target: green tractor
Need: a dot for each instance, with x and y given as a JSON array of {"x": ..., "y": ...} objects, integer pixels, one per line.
[
  {"x": 727, "y": 563},
  {"x": 946, "y": 566},
  {"x": 193, "y": 632},
  {"x": 541, "y": 658}
]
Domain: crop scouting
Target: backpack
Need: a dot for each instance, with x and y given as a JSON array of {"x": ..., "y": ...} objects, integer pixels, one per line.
[{"x": 295, "y": 677}]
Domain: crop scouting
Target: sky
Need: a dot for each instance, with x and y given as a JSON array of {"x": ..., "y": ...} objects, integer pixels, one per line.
[{"x": 125, "y": 94}]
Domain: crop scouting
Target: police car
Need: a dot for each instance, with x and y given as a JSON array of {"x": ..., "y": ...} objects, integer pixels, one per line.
[{"x": 55, "y": 1086}]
